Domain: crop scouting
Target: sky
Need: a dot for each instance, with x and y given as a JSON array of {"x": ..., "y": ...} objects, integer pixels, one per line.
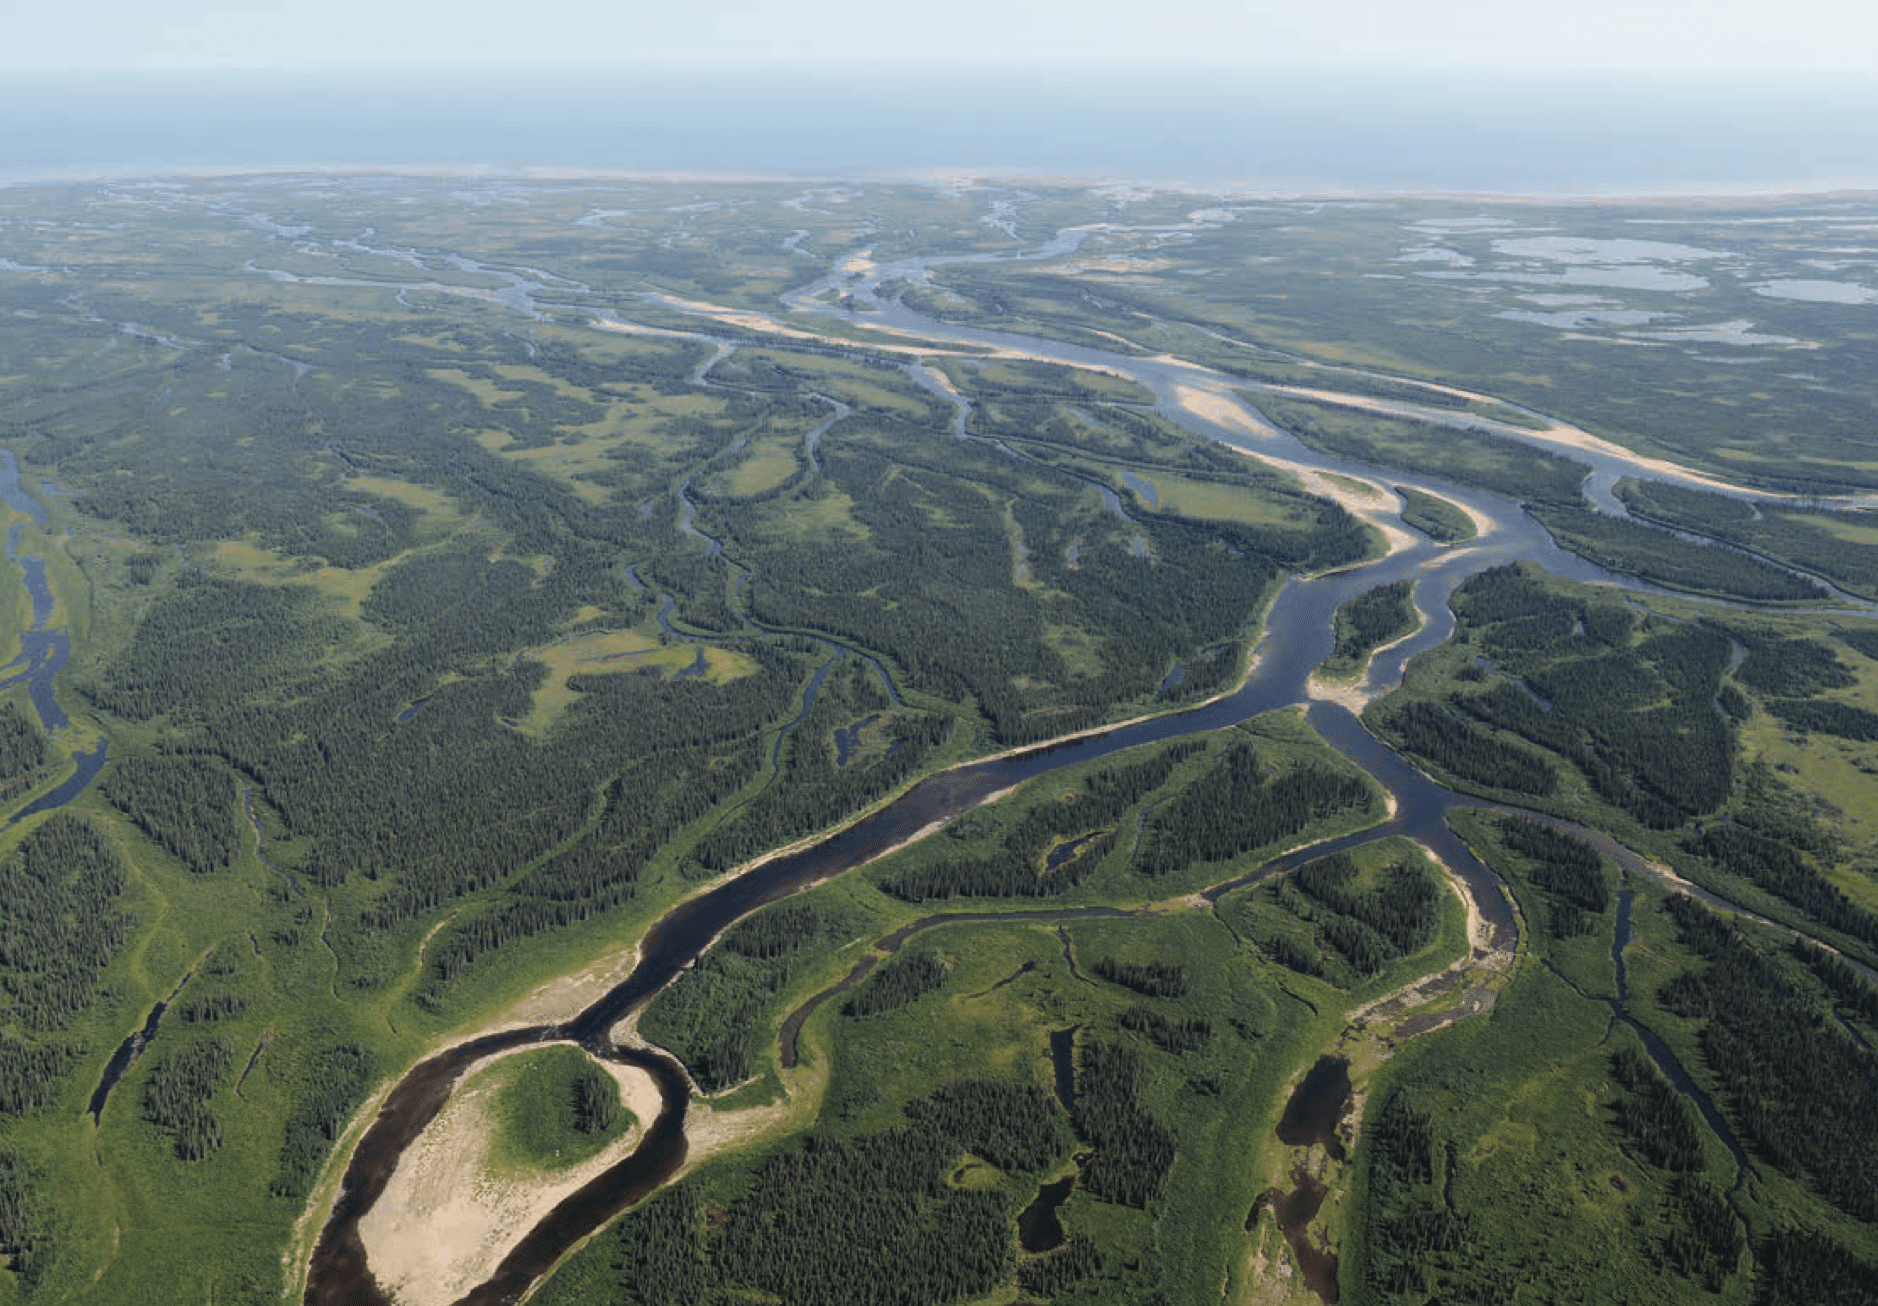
[{"x": 111, "y": 35}]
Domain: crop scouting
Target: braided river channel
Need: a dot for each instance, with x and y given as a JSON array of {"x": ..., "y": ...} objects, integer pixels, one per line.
[{"x": 1297, "y": 636}]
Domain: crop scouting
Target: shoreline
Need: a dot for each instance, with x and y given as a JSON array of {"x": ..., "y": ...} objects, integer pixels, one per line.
[{"x": 967, "y": 176}]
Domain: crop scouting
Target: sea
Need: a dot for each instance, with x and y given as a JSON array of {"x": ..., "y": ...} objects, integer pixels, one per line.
[{"x": 1246, "y": 130}]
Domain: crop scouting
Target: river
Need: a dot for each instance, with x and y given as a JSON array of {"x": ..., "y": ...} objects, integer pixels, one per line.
[
  {"x": 1296, "y": 638},
  {"x": 43, "y": 652}
]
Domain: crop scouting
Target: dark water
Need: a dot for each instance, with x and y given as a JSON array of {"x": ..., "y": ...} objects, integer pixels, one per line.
[
  {"x": 85, "y": 771},
  {"x": 122, "y": 1059},
  {"x": 1027, "y": 968},
  {"x": 1065, "y": 853},
  {"x": 665, "y": 617},
  {"x": 340, "y": 1276},
  {"x": 42, "y": 652},
  {"x": 1038, "y": 1229},
  {"x": 129, "y": 1050},
  {"x": 1294, "y": 1212},
  {"x": 1666, "y": 1061},
  {"x": 35, "y": 569},
  {"x": 848, "y": 738},
  {"x": 808, "y": 703},
  {"x": 791, "y": 1033},
  {"x": 1063, "y": 1065},
  {"x": 14, "y": 495},
  {"x": 1317, "y": 1107}
]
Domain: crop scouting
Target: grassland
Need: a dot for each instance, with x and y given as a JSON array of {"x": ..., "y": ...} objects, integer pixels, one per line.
[
  {"x": 1435, "y": 517},
  {"x": 537, "y": 1123}
]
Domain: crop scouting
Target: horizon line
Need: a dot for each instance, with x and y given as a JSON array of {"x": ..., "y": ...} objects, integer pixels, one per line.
[{"x": 964, "y": 175}]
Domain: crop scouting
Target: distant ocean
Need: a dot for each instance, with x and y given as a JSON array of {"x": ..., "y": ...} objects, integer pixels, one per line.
[{"x": 1333, "y": 132}]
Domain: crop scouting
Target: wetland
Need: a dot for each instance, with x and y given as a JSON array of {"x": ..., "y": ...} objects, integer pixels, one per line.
[{"x": 1044, "y": 629}]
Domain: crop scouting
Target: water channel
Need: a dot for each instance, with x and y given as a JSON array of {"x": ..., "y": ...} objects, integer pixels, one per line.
[
  {"x": 43, "y": 653},
  {"x": 1296, "y": 637}
]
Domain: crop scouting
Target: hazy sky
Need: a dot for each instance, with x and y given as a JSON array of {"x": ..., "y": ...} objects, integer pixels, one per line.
[{"x": 112, "y": 34}]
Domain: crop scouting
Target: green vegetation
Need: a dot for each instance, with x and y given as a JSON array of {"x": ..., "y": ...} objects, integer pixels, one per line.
[
  {"x": 713, "y": 1016},
  {"x": 1628, "y": 703},
  {"x": 1134, "y": 1152},
  {"x": 1656, "y": 555},
  {"x": 60, "y": 925},
  {"x": 1795, "y": 1085},
  {"x": 1464, "y": 455},
  {"x": 1343, "y": 917},
  {"x": 321, "y": 1109},
  {"x": 1466, "y": 752},
  {"x": 1435, "y": 517},
  {"x": 897, "y": 984},
  {"x": 851, "y": 748},
  {"x": 1366, "y": 623},
  {"x": 185, "y": 805},
  {"x": 940, "y": 1112},
  {"x": 1840, "y": 546},
  {"x": 1244, "y": 803},
  {"x": 1566, "y": 872},
  {"x": 1054, "y": 847},
  {"x": 176, "y": 1096},
  {"x": 551, "y": 1108},
  {"x": 1546, "y": 1112},
  {"x": 22, "y": 751}
]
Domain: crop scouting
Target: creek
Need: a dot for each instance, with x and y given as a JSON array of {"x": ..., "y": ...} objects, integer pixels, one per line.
[{"x": 1659, "y": 1051}]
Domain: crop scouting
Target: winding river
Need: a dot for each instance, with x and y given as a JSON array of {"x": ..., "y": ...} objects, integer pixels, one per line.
[
  {"x": 43, "y": 652},
  {"x": 1296, "y": 638}
]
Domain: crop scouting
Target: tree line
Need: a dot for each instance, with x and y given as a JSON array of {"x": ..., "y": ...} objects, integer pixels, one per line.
[
  {"x": 1568, "y": 872},
  {"x": 1372, "y": 927},
  {"x": 899, "y": 983},
  {"x": 1793, "y": 1083},
  {"x": 811, "y": 788},
  {"x": 1018, "y": 866},
  {"x": 176, "y": 1096},
  {"x": 60, "y": 924},
  {"x": 1638, "y": 549},
  {"x": 1134, "y": 1152},
  {"x": 1632, "y": 708},
  {"x": 22, "y": 750},
  {"x": 186, "y": 805},
  {"x": 1241, "y": 804},
  {"x": 1782, "y": 870}
]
